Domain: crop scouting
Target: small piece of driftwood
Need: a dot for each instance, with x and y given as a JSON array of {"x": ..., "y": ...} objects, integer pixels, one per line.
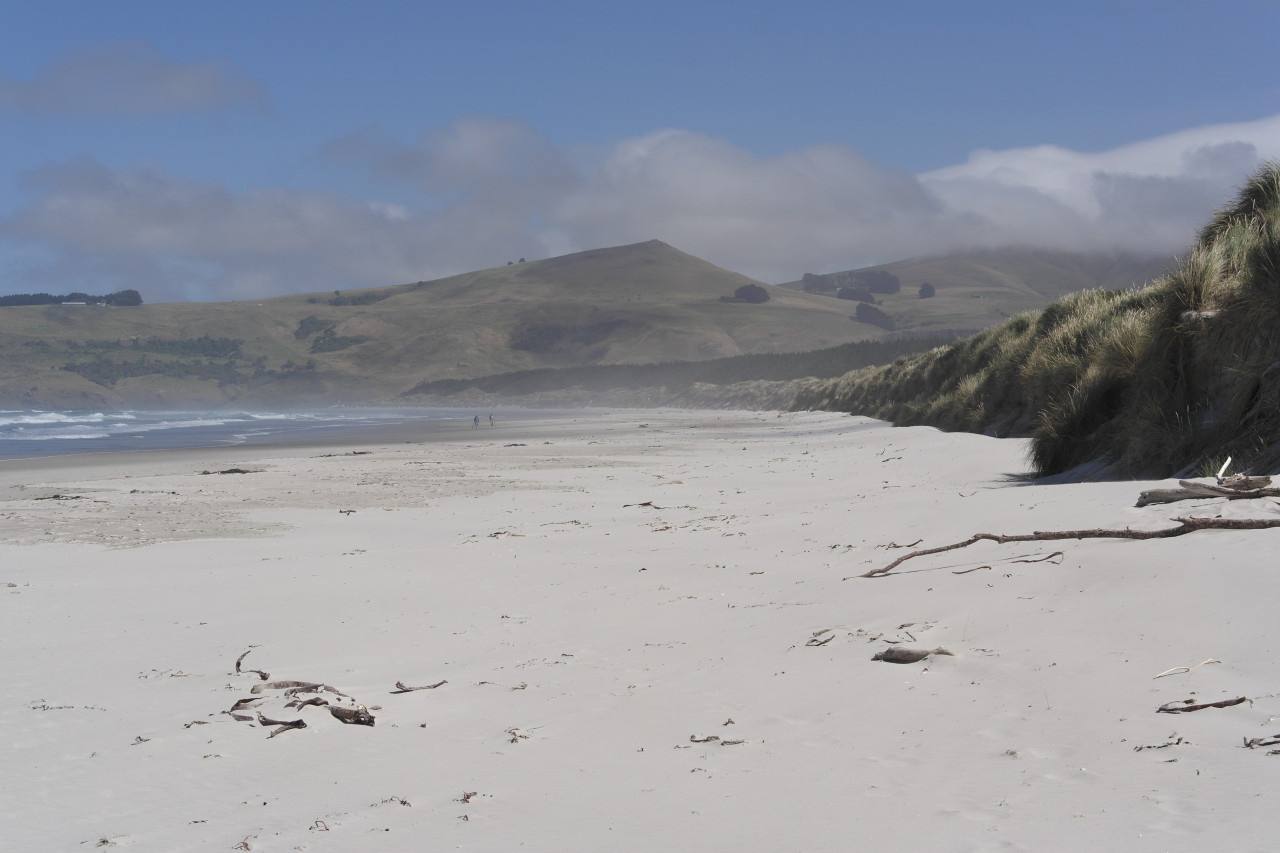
[
  {"x": 1178, "y": 742},
  {"x": 1233, "y": 488},
  {"x": 401, "y": 688},
  {"x": 1266, "y": 740},
  {"x": 299, "y": 703},
  {"x": 897, "y": 655},
  {"x": 281, "y": 685},
  {"x": 281, "y": 725},
  {"x": 245, "y": 703},
  {"x": 293, "y": 688},
  {"x": 1185, "y": 706},
  {"x": 357, "y": 716},
  {"x": 1185, "y": 526},
  {"x": 708, "y": 739},
  {"x": 264, "y": 676},
  {"x": 1041, "y": 559}
]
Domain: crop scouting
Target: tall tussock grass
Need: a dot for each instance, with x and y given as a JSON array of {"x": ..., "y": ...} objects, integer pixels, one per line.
[{"x": 1151, "y": 381}]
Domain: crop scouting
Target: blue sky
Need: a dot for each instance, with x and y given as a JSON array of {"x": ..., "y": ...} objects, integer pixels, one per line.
[{"x": 231, "y": 150}]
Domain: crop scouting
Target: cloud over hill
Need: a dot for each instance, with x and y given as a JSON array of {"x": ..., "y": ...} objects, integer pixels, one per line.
[{"x": 484, "y": 190}]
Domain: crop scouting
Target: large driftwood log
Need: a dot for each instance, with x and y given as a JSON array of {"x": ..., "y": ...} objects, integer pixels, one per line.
[
  {"x": 1185, "y": 526},
  {"x": 1233, "y": 489}
]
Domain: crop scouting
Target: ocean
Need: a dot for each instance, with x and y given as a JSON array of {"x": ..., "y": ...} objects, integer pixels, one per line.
[{"x": 31, "y": 434}]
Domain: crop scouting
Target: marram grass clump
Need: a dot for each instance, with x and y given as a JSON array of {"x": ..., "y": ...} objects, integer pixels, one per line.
[{"x": 1151, "y": 381}]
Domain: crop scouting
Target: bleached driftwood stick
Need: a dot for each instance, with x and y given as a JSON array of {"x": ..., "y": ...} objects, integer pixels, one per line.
[
  {"x": 1178, "y": 669},
  {"x": 1185, "y": 526},
  {"x": 401, "y": 688}
]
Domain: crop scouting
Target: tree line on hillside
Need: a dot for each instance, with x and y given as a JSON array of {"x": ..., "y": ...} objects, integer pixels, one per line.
[
  {"x": 205, "y": 345},
  {"x": 119, "y": 298},
  {"x": 870, "y": 281}
]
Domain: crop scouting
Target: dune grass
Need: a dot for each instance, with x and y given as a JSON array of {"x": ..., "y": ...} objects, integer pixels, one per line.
[{"x": 1175, "y": 376}]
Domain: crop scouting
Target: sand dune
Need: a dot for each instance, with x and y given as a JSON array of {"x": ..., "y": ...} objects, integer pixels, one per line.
[{"x": 646, "y": 643}]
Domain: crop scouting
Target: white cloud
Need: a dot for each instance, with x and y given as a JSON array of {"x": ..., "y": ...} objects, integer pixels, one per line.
[
  {"x": 1148, "y": 196},
  {"x": 130, "y": 78},
  {"x": 492, "y": 190}
]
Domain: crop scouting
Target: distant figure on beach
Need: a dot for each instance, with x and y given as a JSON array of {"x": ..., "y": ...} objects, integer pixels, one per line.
[
  {"x": 475, "y": 422},
  {"x": 490, "y": 420}
]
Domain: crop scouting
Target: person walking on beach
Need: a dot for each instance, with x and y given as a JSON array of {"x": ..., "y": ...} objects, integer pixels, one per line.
[
  {"x": 490, "y": 420},
  {"x": 475, "y": 422}
]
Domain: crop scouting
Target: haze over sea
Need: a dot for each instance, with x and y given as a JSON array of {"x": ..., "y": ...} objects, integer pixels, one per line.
[{"x": 31, "y": 434}]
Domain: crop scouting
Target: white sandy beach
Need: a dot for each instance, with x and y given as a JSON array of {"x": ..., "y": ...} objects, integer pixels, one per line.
[{"x": 647, "y": 644}]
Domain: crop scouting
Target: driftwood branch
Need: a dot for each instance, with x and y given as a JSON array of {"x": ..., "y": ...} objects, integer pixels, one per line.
[
  {"x": 1185, "y": 526},
  {"x": 401, "y": 688},
  {"x": 1184, "y": 708}
]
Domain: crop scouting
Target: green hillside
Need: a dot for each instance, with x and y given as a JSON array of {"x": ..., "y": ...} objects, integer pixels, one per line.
[{"x": 641, "y": 303}]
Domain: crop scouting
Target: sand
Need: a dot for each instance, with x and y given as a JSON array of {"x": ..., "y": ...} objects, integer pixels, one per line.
[{"x": 646, "y": 642}]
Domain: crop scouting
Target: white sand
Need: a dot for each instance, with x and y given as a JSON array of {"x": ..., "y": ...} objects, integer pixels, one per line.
[{"x": 602, "y": 638}]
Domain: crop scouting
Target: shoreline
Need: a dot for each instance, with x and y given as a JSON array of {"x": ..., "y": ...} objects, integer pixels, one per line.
[{"x": 13, "y": 472}]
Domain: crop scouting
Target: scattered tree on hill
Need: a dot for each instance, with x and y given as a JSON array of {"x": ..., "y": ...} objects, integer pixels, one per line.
[
  {"x": 928, "y": 291},
  {"x": 818, "y": 283},
  {"x": 860, "y": 294},
  {"x": 752, "y": 293},
  {"x": 868, "y": 313},
  {"x": 880, "y": 281},
  {"x": 308, "y": 326},
  {"x": 328, "y": 341}
]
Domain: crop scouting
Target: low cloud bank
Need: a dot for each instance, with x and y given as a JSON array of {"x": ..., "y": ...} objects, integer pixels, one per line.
[
  {"x": 492, "y": 190},
  {"x": 130, "y": 78}
]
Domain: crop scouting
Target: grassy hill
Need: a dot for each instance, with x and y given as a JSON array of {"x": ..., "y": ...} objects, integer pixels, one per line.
[
  {"x": 976, "y": 290},
  {"x": 642, "y": 303}
]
